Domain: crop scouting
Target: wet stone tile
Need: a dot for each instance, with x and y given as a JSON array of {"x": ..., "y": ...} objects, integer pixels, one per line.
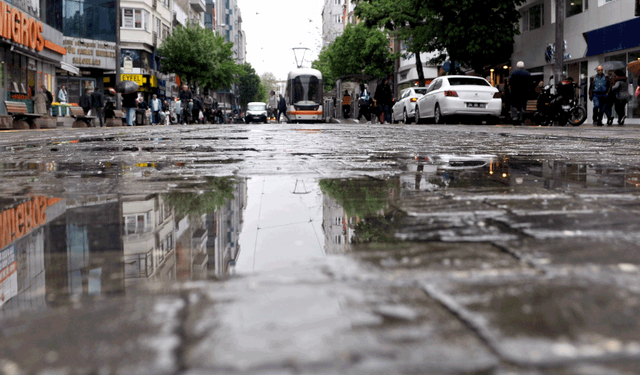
[
  {"x": 91, "y": 337},
  {"x": 547, "y": 321}
]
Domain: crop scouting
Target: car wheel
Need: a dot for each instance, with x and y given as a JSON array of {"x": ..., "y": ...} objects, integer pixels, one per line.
[
  {"x": 393, "y": 118},
  {"x": 405, "y": 118},
  {"x": 418, "y": 119},
  {"x": 437, "y": 115}
]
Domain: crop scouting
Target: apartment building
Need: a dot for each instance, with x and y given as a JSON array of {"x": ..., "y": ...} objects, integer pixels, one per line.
[
  {"x": 334, "y": 18},
  {"x": 595, "y": 31}
]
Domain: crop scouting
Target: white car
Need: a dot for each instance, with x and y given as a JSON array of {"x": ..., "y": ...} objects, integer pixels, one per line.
[
  {"x": 256, "y": 112},
  {"x": 405, "y": 108},
  {"x": 459, "y": 96}
]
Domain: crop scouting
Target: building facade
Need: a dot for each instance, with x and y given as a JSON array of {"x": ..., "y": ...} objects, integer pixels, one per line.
[
  {"x": 334, "y": 18},
  {"x": 595, "y": 32},
  {"x": 30, "y": 50}
]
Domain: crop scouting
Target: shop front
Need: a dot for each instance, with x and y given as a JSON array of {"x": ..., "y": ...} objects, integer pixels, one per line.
[{"x": 30, "y": 52}]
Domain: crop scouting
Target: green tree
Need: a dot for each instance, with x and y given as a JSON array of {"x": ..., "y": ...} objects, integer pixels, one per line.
[
  {"x": 199, "y": 57},
  {"x": 323, "y": 64},
  {"x": 474, "y": 33},
  {"x": 248, "y": 85},
  {"x": 205, "y": 199},
  {"x": 359, "y": 50}
]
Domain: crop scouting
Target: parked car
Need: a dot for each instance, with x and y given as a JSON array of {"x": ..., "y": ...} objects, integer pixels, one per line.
[
  {"x": 256, "y": 112},
  {"x": 405, "y": 108},
  {"x": 459, "y": 96}
]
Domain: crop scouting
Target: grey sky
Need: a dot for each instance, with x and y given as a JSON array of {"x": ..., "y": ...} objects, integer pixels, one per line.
[{"x": 273, "y": 28}]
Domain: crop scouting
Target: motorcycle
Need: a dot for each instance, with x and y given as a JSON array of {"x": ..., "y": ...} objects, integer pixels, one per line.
[{"x": 561, "y": 107}]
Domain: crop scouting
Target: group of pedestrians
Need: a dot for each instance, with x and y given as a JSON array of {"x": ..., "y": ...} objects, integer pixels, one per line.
[{"x": 607, "y": 93}]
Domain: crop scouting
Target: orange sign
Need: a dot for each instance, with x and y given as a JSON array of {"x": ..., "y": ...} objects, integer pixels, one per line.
[
  {"x": 19, "y": 221},
  {"x": 19, "y": 27}
]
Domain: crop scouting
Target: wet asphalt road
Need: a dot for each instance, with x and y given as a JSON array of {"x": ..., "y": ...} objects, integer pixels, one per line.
[{"x": 320, "y": 249}]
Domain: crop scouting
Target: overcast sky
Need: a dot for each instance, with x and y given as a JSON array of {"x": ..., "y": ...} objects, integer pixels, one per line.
[{"x": 274, "y": 27}]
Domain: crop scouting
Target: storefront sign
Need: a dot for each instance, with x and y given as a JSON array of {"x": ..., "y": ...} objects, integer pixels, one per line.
[
  {"x": 90, "y": 53},
  {"x": 8, "y": 274},
  {"x": 137, "y": 78},
  {"x": 19, "y": 221},
  {"x": 20, "y": 28}
]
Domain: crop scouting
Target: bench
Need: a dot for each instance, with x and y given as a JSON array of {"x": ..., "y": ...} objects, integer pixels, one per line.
[
  {"x": 22, "y": 119},
  {"x": 116, "y": 120},
  {"x": 82, "y": 120}
]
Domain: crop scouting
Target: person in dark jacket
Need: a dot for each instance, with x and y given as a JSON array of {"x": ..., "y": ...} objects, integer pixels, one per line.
[
  {"x": 620, "y": 89},
  {"x": 197, "y": 108},
  {"x": 186, "y": 101},
  {"x": 97, "y": 103},
  {"x": 282, "y": 109},
  {"x": 519, "y": 82},
  {"x": 384, "y": 98},
  {"x": 49, "y": 98},
  {"x": 85, "y": 101},
  {"x": 599, "y": 86}
]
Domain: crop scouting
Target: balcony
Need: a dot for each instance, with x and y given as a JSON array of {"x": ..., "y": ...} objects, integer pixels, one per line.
[{"x": 198, "y": 5}]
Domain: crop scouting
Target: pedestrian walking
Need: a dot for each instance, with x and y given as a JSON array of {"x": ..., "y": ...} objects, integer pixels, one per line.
[
  {"x": 85, "y": 101},
  {"x": 383, "y": 99},
  {"x": 520, "y": 82},
  {"x": 129, "y": 104},
  {"x": 273, "y": 105},
  {"x": 186, "y": 101},
  {"x": 364, "y": 103},
  {"x": 208, "y": 103},
  {"x": 40, "y": 102},
  {"x": 156, "y": 107},
  {"x": 282, "y": 109},
  {"x": 49, "y": 98},
  {"x": 621, "y": 90},
  {"x": 63, "y": 96},
  {"x": 97, "y": 104},
  {"x": 599, "y": 87}
]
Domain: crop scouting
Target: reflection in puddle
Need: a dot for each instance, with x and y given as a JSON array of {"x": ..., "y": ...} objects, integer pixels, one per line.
[{"x": 53, "y": 249}]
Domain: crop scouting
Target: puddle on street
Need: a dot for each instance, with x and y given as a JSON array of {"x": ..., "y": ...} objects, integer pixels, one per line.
[{"x": 57, "y": 248}]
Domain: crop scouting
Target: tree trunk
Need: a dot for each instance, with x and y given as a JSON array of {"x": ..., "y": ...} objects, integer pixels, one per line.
[{"x": 421, "y": 81}]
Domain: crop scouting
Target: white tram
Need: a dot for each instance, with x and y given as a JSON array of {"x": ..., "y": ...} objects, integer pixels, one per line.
[{"x": 304, "y": 95}]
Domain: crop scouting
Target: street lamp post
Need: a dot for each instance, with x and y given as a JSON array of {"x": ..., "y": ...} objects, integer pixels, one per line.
[
  {"x": 118, "y": 15},
  {"x": 560, "y": 9}
]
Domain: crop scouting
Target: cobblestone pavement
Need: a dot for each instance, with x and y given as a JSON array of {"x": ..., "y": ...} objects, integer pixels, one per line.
[{"x": 492, "y": 250}]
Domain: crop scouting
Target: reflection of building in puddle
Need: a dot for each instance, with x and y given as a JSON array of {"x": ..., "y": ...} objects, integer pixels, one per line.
[
  {"x": 224, "y": 226},
  {"x": 23, "y": 227},
  {"x": 337, "y": 225}
]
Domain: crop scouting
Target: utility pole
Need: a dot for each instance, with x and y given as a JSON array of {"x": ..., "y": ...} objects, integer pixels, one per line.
[
  {"x": 560, "y": 9},
  {"x": 118, "y": 15}
]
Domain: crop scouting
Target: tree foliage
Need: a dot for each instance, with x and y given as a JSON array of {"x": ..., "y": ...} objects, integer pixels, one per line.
[
  {"x": 359, "y": 50},
  {"x": 209, "y": 197},
  {"x": 474, "y": 33},
  {"x": 199, "y": 57},
  {"x": 249, "y": 87},
  {"x": 269, "y": 82}
]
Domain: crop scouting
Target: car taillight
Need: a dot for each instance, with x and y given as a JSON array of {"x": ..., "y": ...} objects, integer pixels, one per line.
[
  {"x": 497, "y": 95},
  {"x": 450, "y": 93},
  {"x": 413, "y": 100}
]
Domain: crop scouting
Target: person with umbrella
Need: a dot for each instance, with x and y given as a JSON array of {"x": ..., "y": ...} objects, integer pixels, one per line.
[
  {"x": 128, "y": 90},
  {"x": 599, "y": 86}
]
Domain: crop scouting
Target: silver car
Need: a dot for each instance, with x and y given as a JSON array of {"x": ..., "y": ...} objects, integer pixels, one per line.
[
  {"x": 459, "y": 96},
  {"x": 405, "y": 108}
]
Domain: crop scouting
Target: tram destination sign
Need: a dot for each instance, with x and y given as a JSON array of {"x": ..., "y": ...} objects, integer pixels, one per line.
[{"x": 90, "y": 53}]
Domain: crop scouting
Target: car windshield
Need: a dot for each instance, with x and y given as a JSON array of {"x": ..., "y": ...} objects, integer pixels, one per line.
[
  {"x": 464, "y": 81},
  {"x": 421, "y": 91},
  {"x": 257, "y": 107}
]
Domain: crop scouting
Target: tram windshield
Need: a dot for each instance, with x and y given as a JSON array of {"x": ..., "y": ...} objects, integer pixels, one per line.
[{"x": 306, "y": 88}]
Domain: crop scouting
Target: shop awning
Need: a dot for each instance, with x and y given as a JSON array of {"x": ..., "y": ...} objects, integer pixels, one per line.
[
  {"x": 617, "y": 37},
  {"x": 69, "y": 68}
]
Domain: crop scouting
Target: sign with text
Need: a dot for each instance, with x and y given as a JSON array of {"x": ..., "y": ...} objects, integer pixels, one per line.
[
  {"x": 90, "y": 53},
  {"x": 8, "y": 274}
]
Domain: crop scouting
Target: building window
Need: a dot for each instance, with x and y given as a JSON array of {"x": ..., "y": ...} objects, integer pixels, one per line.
[
  {"x": 603, "y": 2},
  {"x": 338, "y": 18},
  {"x": 137, "y": 224},
  {"x": 135, "y": 19},
  {"x": 165, "y": 31},
  {"x": 576, "y": 7},
  {"x": 337, "y": 2}
]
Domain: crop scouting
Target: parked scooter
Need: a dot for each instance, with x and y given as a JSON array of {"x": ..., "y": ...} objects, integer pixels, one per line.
[{"x": 561, "y": 107}]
